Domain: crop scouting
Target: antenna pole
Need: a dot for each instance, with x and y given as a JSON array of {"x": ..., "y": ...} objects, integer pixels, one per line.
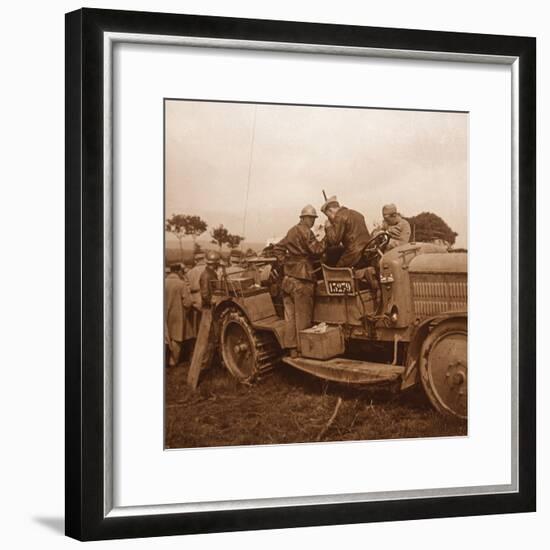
[{"x": 249, "y": 172}]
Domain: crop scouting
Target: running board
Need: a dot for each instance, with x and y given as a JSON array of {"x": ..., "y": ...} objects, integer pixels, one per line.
[{"x": 348, "y": 371}]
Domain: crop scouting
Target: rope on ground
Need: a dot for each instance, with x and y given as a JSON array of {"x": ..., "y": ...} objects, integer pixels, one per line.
[{"x": 330, "y": 420}]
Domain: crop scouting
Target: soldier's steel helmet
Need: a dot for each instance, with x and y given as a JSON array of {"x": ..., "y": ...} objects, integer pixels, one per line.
[
  {"x": 331, "y": 201},
  {"x": 308, "y": 210},
  {"x": 212, "y": 257}
]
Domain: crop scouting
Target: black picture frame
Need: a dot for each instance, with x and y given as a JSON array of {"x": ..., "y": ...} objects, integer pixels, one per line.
[{"x": 84, "y": 455}]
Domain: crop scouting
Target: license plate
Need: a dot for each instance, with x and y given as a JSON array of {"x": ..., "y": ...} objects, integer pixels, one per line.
[{"x": 339, "y": 287}]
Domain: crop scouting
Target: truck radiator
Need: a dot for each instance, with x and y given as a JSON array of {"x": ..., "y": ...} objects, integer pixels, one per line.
[{"x": 434, "y": 293}]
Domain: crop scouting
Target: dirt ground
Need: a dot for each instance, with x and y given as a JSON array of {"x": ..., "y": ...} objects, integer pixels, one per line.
[{"x": 292, "y": 407}]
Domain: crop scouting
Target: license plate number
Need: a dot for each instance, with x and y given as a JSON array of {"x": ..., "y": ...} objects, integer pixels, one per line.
[{"x": 339, "y": 287}]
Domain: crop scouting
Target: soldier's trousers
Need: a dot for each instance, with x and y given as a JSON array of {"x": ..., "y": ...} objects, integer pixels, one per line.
[
  {"x": 174, "y": 352},
  {"x": 298, "y": 302}
]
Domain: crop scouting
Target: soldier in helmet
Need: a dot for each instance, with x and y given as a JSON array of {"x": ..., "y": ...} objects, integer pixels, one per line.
[
  {"x": 347, "y": 227},
  {"x": 193, "y": 276},
  {"x": 296, "y": 252},
  {"x": 205, "y": 345},
  {"x": 209, "y": 274},
  {"x": 397, "y": 227}
]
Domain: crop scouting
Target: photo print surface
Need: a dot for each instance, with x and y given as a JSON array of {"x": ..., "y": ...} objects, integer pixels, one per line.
[{"x": 316, "y": 283}]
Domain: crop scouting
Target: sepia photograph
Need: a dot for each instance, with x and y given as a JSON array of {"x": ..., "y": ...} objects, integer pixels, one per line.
[{"x": 315, "y": 275}]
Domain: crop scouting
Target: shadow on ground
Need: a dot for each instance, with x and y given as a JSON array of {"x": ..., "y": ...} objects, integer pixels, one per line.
[{"x": 54, "y": 524}]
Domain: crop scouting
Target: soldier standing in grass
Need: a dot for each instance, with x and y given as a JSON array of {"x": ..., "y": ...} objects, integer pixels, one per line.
[
  {"x": 209, "y": 274},
  {"x": 177, "y": 300},
  {"x": 296, "y": 252},
  {"x": 192, "y": 315},
  {"x": 193, "y": 276},
  {"x": 205, "y": 345}
]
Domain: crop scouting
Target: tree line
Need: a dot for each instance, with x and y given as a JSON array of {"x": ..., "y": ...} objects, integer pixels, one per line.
[
  {"x": 184, "y": 225},
  {"x": 426, "y": 227}
]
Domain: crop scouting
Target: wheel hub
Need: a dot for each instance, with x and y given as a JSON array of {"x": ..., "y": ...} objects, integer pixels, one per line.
[
  {"x": 456, "y": 374},
  {"x": 240, "y": 348},
  {"x": 445, "y": 371},
  {"x": 451, "y": 388}
]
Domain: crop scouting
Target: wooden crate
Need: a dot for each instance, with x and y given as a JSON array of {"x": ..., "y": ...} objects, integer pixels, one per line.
[{"x": 322, "y": 345}]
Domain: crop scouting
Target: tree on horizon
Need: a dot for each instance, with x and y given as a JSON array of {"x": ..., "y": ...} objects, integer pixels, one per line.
[
  {"x": 233, "y": 241},
  {"x": 219, "y": 235},
  {"x": 184, "y": 225},
  {"x": 428, "y": 227}
]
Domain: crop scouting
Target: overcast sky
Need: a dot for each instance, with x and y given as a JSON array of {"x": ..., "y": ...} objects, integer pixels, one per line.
[{"x": 253, "y": 167}]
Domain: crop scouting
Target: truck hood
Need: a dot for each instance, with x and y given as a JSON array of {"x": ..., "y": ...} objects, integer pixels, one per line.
[{"x": 446, "y": 262}]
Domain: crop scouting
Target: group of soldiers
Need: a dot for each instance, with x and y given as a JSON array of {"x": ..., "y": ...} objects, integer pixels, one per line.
[
  {"x": 299, "y": 249},
  {"x": 188, "y": 307},
  {"x": 188, "y": 293}
]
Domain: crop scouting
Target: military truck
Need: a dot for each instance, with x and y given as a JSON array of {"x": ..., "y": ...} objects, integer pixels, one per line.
[{"x": 401, "y": 320}]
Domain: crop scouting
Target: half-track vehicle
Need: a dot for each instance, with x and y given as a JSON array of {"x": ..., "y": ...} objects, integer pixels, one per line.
[{"x": 402, "y": 320}]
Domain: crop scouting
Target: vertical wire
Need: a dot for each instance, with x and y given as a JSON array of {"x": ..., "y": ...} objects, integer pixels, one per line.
[{"x": 249, "y": 173}]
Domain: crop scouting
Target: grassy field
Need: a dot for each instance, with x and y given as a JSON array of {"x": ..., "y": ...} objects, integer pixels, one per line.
[{"x": 292, "y": 407}]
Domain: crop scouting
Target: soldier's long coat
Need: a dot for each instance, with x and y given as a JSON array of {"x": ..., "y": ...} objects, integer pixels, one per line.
[
  {"x": 194, "y": 276},
  {"x": 177, "y": 301}
]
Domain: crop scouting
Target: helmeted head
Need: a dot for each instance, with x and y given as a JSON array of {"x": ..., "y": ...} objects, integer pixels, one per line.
[
  {"x": 390, "y": 214},
  {"x": 199, "y": 257},
  {"x": 308, "y": 215},
  {"x": 330, "y": 207},
  {"x": 213, "y": 258}
]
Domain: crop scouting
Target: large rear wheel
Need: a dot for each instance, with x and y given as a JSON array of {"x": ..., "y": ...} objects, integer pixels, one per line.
[
  {"x": 248, "y": 354},
  {"x": 444, "y": 367}
]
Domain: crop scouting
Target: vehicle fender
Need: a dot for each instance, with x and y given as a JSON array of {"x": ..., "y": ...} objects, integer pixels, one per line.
[
  {"x": 410, "y": 376},
  {"x": 260, "y": 313},
  {"x": 222, "y": 305}
]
